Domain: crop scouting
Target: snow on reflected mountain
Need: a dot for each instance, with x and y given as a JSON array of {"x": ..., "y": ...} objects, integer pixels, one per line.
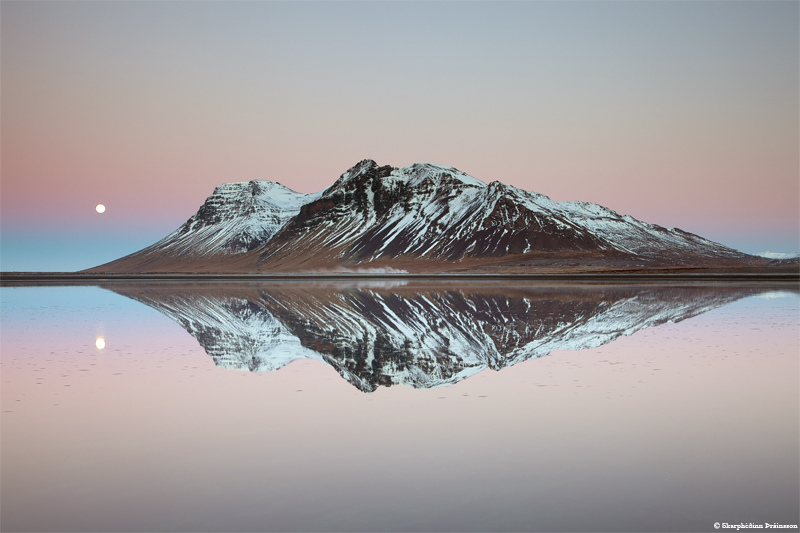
[{"x": 417, "y": 334}]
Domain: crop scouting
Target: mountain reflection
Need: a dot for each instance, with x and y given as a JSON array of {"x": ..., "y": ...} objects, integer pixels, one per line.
[{"x": 414, "y": 333}]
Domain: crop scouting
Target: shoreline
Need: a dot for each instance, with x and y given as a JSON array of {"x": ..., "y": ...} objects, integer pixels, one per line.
[{"x": 8, "y": 278}]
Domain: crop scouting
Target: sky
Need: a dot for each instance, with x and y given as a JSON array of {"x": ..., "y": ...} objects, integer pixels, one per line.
[{"x": 684, "y": 114}]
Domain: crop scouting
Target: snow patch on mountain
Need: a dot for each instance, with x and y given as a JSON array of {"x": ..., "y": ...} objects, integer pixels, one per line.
[
  {"x": 779, "y": 255},
  {"x": 419, "y": 172}
]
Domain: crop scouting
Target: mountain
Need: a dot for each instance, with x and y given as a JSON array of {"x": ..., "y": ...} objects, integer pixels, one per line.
[
  {"x": 417, "y": 334},
  {"x": 236, "y": 218},
  {"x": 420, "y": 218}
]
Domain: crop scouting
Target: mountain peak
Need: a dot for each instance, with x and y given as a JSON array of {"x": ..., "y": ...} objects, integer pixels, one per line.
[
  {"x": 362, "y": 167},
  {"x": 413, "y": 175},
  {"x": 359, "y": 173}
]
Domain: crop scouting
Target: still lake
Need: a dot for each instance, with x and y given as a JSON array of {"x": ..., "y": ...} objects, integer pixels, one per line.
[{"x": 399, "y": 405}]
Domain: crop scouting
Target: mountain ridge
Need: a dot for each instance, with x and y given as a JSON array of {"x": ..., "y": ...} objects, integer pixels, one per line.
[{"x": 419, "y": 218}]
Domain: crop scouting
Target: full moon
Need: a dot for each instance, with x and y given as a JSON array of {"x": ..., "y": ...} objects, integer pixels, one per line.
[
  {"x": 100, "y": 208},
  {"x": 100, "y": 343}
]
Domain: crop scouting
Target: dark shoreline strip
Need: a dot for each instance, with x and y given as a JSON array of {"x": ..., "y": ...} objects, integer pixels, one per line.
[{"x": 7, "y": 278}]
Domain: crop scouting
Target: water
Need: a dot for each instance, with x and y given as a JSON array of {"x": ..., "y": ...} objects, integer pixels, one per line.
[{"x": 399, "y": 406}]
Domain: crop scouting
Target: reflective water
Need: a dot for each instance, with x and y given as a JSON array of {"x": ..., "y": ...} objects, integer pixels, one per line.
[{"x": 399, "y": 406}]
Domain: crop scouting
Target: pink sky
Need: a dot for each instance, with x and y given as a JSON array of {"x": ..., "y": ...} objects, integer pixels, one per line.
[{"x": 678, "y": 113}]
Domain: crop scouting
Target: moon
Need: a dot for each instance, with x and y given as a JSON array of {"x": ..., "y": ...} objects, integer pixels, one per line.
[
  {"x": 100, "y": 343},
  {"x": 100, "y": 208}
]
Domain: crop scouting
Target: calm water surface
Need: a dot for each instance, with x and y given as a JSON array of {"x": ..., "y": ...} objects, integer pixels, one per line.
[{"x": 399, "y": 406}]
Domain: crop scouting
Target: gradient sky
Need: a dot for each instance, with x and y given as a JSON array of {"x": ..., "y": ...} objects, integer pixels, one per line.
[{"x": 683, "y": 114}]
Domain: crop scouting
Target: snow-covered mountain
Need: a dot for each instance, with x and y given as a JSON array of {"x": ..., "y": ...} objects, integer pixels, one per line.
[
  {"x": 422, "y": 217},
  {"x": 236, "y": 218},
  {"x": 418, "y": 335}
]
